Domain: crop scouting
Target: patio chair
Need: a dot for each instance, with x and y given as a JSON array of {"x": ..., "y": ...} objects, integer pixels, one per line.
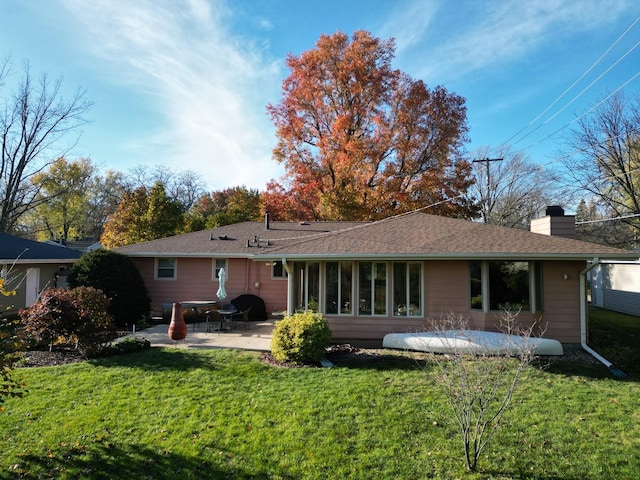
[
  {"x": 242, "y": 317},
  {"x": 213, "y": 320},
  {"x": 227, "y": 318}
]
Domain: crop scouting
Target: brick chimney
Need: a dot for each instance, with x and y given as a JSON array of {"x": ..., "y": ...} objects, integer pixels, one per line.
[{"x": 555, "y": 223}]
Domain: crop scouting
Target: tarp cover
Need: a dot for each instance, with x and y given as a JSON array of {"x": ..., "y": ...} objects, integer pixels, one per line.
[{"x": 258, "y": 310}]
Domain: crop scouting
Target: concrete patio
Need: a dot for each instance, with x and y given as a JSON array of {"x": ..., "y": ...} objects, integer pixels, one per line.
[{"x": 257, "y": 338}]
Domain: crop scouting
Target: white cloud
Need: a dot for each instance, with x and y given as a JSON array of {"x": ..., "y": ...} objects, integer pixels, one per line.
[
  {"x": 409, "y": 23},
  {"x": 467, "y": 39},
  {"x": 209, "y": 88}
]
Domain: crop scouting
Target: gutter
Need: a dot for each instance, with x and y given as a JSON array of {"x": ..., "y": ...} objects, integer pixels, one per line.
[{"x": 583, "y": 322}]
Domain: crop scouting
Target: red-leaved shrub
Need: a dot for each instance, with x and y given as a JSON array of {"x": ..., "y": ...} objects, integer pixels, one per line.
[{"x": 78, "y": 315}]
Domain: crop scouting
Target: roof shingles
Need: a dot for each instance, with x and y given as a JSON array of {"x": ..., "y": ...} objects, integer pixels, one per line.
[{"x": 415, "y": 234}]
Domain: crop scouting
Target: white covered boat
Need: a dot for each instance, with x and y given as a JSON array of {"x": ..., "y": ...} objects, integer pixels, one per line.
[{"x": 471, "y": 341}]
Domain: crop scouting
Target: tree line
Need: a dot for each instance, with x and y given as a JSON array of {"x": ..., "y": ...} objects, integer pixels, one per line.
[{"x": 359, "y": 140}]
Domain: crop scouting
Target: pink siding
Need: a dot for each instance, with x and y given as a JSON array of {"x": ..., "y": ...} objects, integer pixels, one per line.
[
  {"x": 194, "y": 281},
  {"x": 561, "y": 300},
  {"x": 446, "y": 290}
]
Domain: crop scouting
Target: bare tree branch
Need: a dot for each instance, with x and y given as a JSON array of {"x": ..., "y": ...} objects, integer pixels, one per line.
[{"x": 34, "y": 121}]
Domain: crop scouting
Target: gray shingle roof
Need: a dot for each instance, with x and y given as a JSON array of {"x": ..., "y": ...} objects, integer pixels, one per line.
[
  {"x": 22, "y": 250},
  {"x": 232, "y": 240},
  {"x": 414, "y": 235}
]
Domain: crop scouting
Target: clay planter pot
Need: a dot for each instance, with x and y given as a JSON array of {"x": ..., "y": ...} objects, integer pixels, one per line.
[{"x": 177, "y": 327}]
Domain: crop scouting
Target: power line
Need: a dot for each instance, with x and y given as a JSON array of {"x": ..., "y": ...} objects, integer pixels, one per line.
[
  {"x": 585, "y": 113},
  {"x": 593, "y": 82},
  {"x": 609, "y": 219},
  {"x": 573, "y": 85}
]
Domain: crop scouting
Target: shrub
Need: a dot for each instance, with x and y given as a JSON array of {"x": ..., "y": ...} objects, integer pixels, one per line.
[
  {"x": 78, "y": 315},
  {"x": 130, "y": 345},
  {"x": 11, "y": 385},
  {"x": 117, "y": 276},
  {"x": 300, "y": 338}
]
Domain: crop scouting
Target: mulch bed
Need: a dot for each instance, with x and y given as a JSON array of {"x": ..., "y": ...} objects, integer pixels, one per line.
[
  {"x": 336, "y": 354},
  {"x": 39, "y": 358}
]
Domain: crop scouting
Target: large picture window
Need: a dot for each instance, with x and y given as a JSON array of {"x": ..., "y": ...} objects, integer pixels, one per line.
[
  {"x": 407, "y": 289},
  {"x": 372, "y": 291},
  {"x": 499, "y": 285},
  {"x": 338, "y": 288}
]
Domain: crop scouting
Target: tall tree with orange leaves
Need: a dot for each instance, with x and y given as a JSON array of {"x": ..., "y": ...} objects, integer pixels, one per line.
[{"x": 362, "y": 141}]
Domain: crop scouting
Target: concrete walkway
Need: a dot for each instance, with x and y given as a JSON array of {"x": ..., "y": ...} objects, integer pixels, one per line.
[{"x": 258, "y": 337}]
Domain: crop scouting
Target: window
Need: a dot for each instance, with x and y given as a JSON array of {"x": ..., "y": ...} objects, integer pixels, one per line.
[
  {"x": 475, "y": 276},
  {"x": 278, "y": 270},
  {"x": 219, "y": 263},
  {"x": 510, "y": 284},
  {"x": 165, "y": 268},
  {"x": 372, "y": 292},
  {"x": 307, "y": 285},
  {"x": 407, "y": 289},
  {"x": 338, "y": 288}
]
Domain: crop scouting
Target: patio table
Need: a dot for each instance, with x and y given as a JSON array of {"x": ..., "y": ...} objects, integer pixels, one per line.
[{"x": 199, "y": 308}]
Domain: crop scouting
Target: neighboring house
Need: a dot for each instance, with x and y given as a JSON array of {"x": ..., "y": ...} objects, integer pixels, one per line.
[
  {"x": 616, "y": 286},
  {"x": 31, "y": 267},
  {"x": 81, "y": 245},
  {"x": 374, "y": 278}
]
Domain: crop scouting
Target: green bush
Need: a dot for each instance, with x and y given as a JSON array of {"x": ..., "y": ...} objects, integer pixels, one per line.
[
  {"x": 77, "y": 316},
  {"x": 129, "y": 345},
  {"x": 300, "y": 338},
  {"x": 117, "y": 276}
]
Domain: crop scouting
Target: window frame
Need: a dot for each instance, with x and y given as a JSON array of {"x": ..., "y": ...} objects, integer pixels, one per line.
[
  {"x": 158, "y": 267},
  {"x": 373, "y": 289},
  {"x": 398, "y": 312},
  {"x": 534, "y": 278},
  {"x": 215, "y": 269},
  {"x": 340, "y": 290},
  {"x": 307, "y": 279},
  {"x": 284, "y": 275}
]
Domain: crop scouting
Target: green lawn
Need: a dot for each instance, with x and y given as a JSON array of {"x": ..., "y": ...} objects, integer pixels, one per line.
[
  {"x": 223, "y": 414},
  {"x": 178, "y": 414},
  {"x": 616, "y": 336}
]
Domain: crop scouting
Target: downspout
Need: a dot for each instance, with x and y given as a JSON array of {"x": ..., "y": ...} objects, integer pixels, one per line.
[{"x": 583, "y": 321}]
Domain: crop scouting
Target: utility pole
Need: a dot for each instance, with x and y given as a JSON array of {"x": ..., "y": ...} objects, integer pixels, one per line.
[{"x": 488, "y": 206}]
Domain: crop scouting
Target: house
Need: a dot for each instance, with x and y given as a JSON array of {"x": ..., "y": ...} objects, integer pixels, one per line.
[
  {"x": 615, "y": 285},
  {"x": 30, "y": 267},
  {"x": 393, "y": 275}
]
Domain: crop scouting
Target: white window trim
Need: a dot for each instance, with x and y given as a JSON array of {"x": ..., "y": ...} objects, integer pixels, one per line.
[
  {"x": 284, "y": 272},
  {"x": 157, "y": 266},
  {"x": 353, "y": 287},
  {"x": 372, "y": 284},
  {"x": 214, "y": 267},
  {"x": 420, "y": 313}
]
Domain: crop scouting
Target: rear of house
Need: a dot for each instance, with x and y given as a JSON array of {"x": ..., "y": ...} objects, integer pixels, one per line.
[{"x": 374, "y": 278}]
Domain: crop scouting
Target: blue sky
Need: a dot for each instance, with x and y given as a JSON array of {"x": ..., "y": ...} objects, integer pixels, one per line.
[{"x": 185, "y": 83}]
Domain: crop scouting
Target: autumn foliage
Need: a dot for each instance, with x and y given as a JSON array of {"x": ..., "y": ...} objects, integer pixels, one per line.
[
  {"x": 142, "y": 215},
  {"x": 77, "y": 315},
  {"x": 360, "y": 140}
]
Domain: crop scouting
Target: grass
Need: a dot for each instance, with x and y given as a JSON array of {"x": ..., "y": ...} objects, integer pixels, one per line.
[
  {"x": 616, "y": 336},
  {"x": 217, "y": 414}
]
